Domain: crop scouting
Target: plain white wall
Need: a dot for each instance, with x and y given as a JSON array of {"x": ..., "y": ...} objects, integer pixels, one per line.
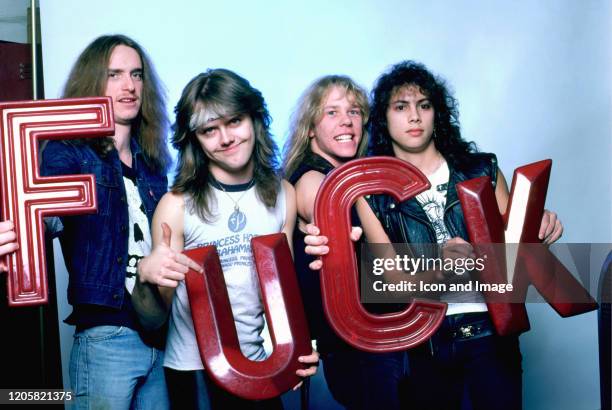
[{"x": 533, "y": 80}]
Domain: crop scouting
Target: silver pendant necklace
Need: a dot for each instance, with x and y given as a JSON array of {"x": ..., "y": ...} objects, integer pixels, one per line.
[{"x": 237, "y": 220}]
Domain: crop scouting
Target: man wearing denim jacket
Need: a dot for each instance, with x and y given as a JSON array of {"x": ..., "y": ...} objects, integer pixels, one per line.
[{"x": 114, "y": 363}]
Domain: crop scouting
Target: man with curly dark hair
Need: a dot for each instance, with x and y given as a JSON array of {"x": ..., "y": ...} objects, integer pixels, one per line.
[{"x": 414, "y": 117}]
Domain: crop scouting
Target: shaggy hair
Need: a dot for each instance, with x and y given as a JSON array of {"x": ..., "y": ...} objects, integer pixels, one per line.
[
  {"x": 447, "y": 137},
  {"x": 309, "y": 111},
  {"x": 226, "y": 94},
  {"x": 88, "y": 79}
]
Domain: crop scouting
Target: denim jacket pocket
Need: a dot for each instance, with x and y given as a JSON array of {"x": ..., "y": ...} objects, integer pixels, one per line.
[{"x": 107, "y": 184}]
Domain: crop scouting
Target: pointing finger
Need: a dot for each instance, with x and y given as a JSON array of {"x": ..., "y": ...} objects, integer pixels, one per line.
[{"x": 190, "y": 263}]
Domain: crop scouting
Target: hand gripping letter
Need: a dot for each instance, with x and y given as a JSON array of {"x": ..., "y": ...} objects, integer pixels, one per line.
[
  {"x": 339, "y": 276},
  {"x": 216, "y": 332},
  {"x": 522, "y": 264}
]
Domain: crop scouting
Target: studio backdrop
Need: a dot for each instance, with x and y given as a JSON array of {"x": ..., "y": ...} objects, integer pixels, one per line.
[{"x": 533, "y": 81}]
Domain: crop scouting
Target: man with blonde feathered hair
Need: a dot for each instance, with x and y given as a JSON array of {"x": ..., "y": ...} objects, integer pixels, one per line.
[{"x": 327, "y": 130}]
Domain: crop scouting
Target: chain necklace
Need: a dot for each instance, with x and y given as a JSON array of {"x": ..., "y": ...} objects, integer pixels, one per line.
[{"x": 237, "y": 220}]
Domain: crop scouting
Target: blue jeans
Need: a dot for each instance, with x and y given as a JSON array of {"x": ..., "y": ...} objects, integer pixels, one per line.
[
  {"x": 362, "y": 380},
  {"x": 111, "y": 368},
  {"x": 195, "y": 390},
  {"x": 466, "y": 357}
]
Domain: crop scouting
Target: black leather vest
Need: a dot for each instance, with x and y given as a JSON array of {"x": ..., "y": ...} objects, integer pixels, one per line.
[{"x": 406, "y": 222}]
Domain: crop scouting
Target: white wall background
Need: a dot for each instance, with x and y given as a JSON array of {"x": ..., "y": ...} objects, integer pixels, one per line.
[{"x": 533, "y": 80}]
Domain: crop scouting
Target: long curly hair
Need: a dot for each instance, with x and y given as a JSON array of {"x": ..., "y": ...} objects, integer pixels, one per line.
[
  {"x": 309, "y": 111},
  {"x": 447, "y": 137},
  {"x": 88, "y": 79},
  {"x": 227, "y": 94}
]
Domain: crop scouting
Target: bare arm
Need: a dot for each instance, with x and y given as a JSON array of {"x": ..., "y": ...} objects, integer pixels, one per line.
[
  {"x": 501, "y": 192},
  {"x": 290, "y": 213},
  {"x": 166, "y": 266},
  {"x": 316, "y": 244},
  {"x": 306, "y": 192},
  {"x": 311, "y": 360}
]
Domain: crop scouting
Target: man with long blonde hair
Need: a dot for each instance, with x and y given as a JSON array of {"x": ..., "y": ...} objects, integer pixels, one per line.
[{"x": 327, "y": 130}]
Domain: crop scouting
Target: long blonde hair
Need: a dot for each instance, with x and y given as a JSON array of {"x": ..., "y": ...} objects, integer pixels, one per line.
[{"x": 309, "y": 111}]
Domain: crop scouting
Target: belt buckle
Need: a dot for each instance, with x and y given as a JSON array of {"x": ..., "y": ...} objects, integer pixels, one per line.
[{"x": 467, "y": 331}]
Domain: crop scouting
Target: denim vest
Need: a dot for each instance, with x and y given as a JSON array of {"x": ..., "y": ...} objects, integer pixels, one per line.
[
  {"x": 406, "y": 222},
  {"x": 95, "y": 246}
]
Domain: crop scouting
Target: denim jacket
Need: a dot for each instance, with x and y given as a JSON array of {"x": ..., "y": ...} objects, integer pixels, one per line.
[
  {"x": 406, "y": 222},
  {"x": 95, "y": 246}
]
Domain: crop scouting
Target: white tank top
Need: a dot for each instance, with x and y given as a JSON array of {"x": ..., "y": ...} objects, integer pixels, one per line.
[{"x": 231, "y": 234}]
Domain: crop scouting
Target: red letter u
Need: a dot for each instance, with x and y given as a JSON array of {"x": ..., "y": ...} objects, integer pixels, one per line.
[{"x": 216, "y": 332}]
